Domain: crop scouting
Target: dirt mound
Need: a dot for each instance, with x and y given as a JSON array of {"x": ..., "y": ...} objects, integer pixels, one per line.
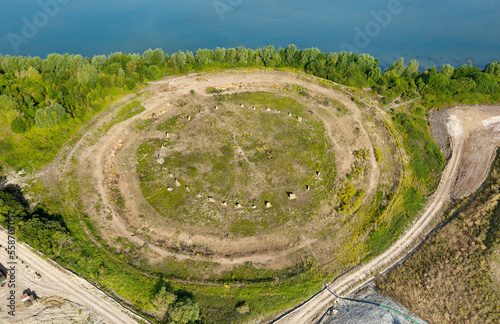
[
  {"x": 476, "y": 130},
  {"x": 352, "y": 312},
  {"x": 111, "y": 185},
  {"x": 475, "y": 136}
]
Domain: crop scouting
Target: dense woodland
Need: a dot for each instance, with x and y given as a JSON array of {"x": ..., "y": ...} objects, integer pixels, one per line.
[
  {"x": 61, "y": 239},
  {"x": 48, "y": 92},
  {"x": 43, "y": 102}
]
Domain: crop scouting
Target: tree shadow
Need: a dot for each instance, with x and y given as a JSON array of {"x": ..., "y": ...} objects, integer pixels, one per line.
[
  {"x": 160, "y": 283},
  {"x": 40, "y": 212},
  {"x": 3, "y": 269},
  {"x": 14, "y": 190},
  {"x": 184, "y": 293}
]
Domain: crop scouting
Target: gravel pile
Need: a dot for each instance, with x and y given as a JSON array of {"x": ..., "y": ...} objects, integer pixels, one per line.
[{"x": 349, "y": 312}]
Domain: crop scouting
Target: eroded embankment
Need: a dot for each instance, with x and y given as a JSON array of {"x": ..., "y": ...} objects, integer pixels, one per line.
[
  {"x": 104, "y": 156},
  {"x": 474, "y": 136}
]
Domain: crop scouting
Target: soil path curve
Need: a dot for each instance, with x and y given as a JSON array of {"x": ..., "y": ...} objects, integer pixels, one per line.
[
  {"x": 462, "y": 131},
  {"x": 99, "y": 158}
]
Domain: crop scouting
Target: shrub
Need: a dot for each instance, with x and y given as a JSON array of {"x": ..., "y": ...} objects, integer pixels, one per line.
[
  {"x": 386, "y": 100},
  {"x": 50, "y": 116},
  {"x": 20, "y": 124}
]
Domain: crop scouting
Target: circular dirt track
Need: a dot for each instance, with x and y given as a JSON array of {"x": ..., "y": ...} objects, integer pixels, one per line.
[
  {"x": 126, "y": 168},
  {"x": 248, "y": 167},
  {"x": 474, "y": 134}
]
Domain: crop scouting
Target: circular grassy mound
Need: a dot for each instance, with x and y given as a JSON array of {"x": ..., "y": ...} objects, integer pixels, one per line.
[{"x": 256, "y": 164}]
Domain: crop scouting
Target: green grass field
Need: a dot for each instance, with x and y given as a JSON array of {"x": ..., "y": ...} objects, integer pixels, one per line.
[{"x": 240, "y": 156}]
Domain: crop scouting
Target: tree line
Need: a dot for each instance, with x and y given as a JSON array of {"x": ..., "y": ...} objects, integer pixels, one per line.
[
  {"x": 48, "y": 92},
  {"x": 50, "y": 233}
]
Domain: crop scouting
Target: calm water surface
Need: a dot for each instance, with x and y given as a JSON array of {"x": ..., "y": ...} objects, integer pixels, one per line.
[{"x": 434, "y": 32}]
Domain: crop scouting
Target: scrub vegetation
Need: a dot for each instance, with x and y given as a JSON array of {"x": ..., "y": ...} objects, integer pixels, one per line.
[
  {"x": 454, "y": 277},
  {"x": 249, "y": 161},
  {"x": 254, "y": 157}
]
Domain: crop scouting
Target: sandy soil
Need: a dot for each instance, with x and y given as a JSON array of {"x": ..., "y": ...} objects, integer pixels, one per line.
[
  {"x": 117, "y": 148},
  {"x": 478, "y": 130},
  {"x": 64, "y": 297},
  {"x": 475, "y": 136}
]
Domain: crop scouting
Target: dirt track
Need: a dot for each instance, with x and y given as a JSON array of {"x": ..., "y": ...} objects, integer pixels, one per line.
[
  {"x": 56, "y": 281},
  {"x": 475, "y": 136},
  {"x": 98, "y": 159},
  {"x": 464, "y": 172}
]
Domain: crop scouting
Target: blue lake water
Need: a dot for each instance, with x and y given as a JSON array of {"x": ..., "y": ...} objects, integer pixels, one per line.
[{"x": 434, "y": 32}]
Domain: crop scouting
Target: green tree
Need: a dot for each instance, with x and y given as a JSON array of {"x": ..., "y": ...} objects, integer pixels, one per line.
[
  {"x": 396, "y": 69},
  {"x": 447, "y": 70},
  {"x": 61, "y": 239},
  {"x": 147, "y": 57},
  {"x": 179, "y": 59},
  {"x": 189, "y": 57},
  {"x": 411, "y": 69},
  {"x": 231, "y": 56},
  {"x": 493, "y": 68},
  {"x": 50, "y": 116},
  {"x": 163, "y": 301},
  {"x": 154, "y": 73},
  {"x": 158, "y": 57},
  {"x": 203, "y": 56},
  {"x": 8, "y": 102},
  {"x": 21, "y": 124},
  {"x": 219, "y": 54},
  {"x": 86, "y": 73},
  {"x": 290, "y": 52},
  {"x": 308, "y": 55},
  {"x": 270, "y": 56},
  {"x": 185, "y": 311},
  {"x": 98, "y": 61},
  {"x": 34, "y": 75},
  {"x": 242, "y": 55}
]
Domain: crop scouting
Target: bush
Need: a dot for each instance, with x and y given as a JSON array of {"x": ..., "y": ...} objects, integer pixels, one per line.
[
  {"x": 50, "y": 116},
  {"x": 185, "y": 311},
  {"x": 154, "y": 73},
  {"x": 213, "y": 90},
  {"x": 21, "y": 125},
  {"x": 386, "y": 100}
]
